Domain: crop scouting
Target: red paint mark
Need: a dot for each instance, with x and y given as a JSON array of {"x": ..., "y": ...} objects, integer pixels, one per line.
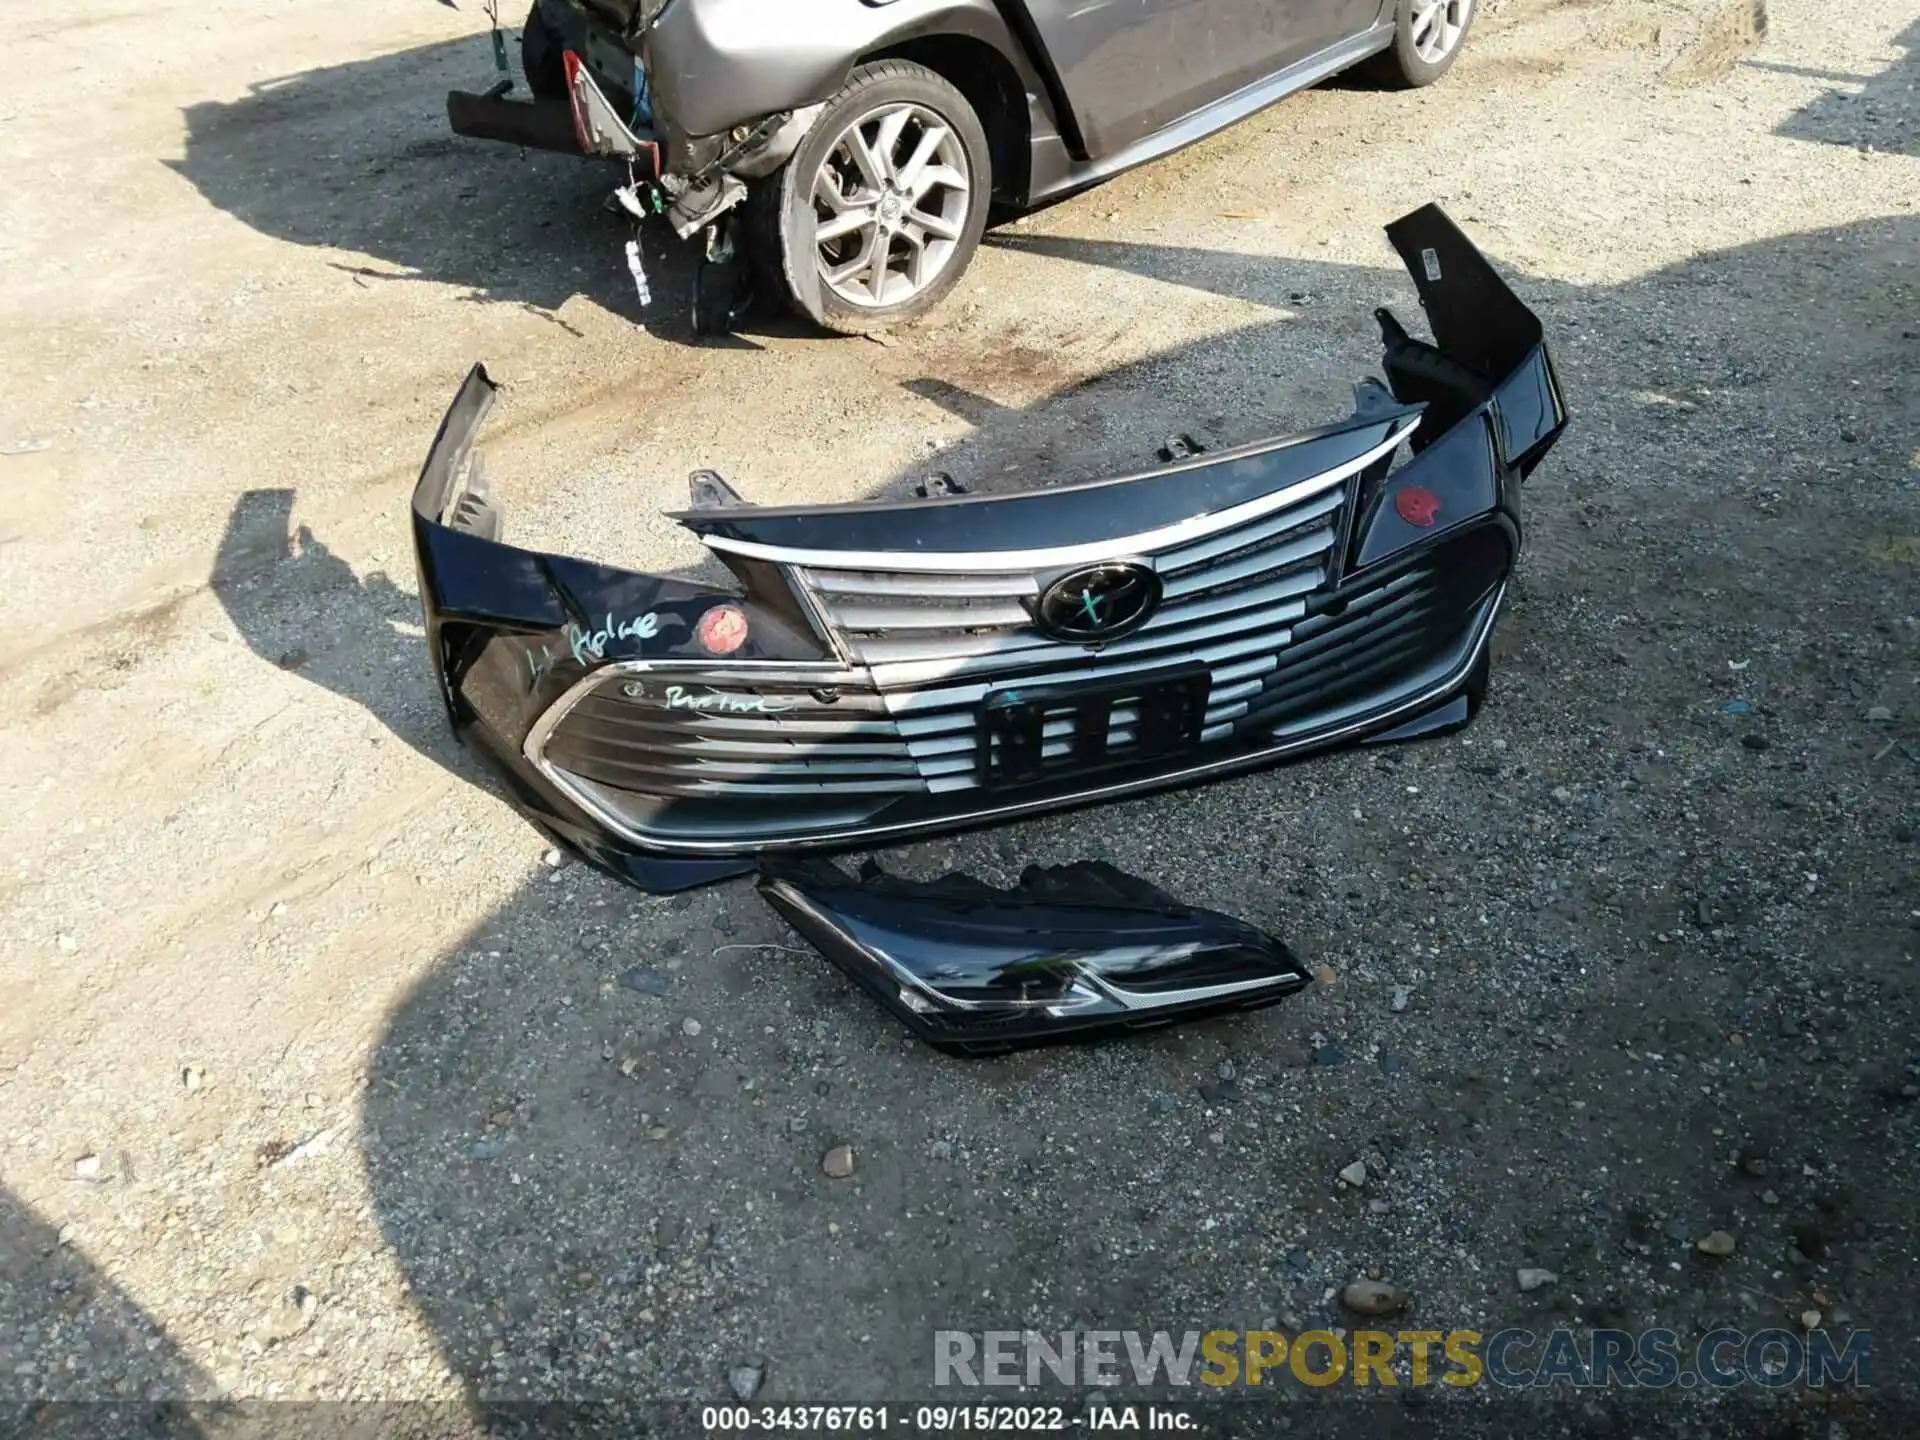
[
  {"x": 722, "y": 630},
  {"x": 1417, "y": 505}
]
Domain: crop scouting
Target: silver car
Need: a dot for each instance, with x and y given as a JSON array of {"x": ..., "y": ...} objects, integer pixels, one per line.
[{"x": 850, "y": 152}]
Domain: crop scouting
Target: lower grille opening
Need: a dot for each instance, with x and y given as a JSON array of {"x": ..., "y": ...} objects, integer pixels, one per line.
[{"x": 682, "y": 751}]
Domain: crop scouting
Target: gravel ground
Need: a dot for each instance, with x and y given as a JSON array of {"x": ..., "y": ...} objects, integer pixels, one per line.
[{"x": 316, "y": 1081}]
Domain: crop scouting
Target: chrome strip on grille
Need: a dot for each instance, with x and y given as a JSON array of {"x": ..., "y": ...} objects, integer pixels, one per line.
[
  {"x": 1380, "y": 712},
  {"x": 928, "y": 638},
  {"x": 1166, "y": 537}
]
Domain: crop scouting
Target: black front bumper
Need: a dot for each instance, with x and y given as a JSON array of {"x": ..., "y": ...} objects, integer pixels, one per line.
[{"x": 852, "y": 690}]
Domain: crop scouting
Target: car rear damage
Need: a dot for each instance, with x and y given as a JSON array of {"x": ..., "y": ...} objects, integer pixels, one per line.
[
  {"x": 706, "y": 106},
  {"x": 598, "y": 102}
]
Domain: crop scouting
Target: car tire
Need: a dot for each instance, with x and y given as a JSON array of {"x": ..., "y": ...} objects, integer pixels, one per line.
[
  {"x": 906, "y": 118},
  {"x": 1428, "y": 36},
  {"x": 542, "y": 57}
]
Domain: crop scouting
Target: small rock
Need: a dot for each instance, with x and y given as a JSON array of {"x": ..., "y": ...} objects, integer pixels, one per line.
[
  {"x": 501, "y": 1118},
  {"x": 838, "y": 1162},
  {"x": 797, "y": 1125},
  {"x": 690, "y": 1027},
  {"x": 1329, "y": 1055},
  {"x": 628, "y": 1066},
  {"x": 193, "y": 1077},
  {"x": 1163, "y": 1104},
  {"x": 1717, "y": 1242},
  {"x": 744, "y": 1381},
  {"x": 1325, "y": 974},
  {"x": 1219, "y": 1092},
  {"x": 1399, "y": 1001},
  {"x": 1756, "y": 742},
  {"x": 1563, "y": 795},
  {"x": 643, "y": 981},
  {"x": 943, "y": 1150},
  {"x": 66, "y": 943},
  {"x": 1879, "y": 714},
  {"x": 1809, "y": 1319},
  {"x": 487, "y": 1149},
  {"x": 87, "y": 1167},
  {"x": 554, "y": 858},
  {"x": 1755, "y": 1165},
  {"x": 312, "y": 1148},
  {"x": 1533, "y": 1279},
  {"x": 1374, "y": 1297},
  {"x": 1355, "y": 1174},
  {"x": 1378, "y": 1206},
  {"x": 65, "y": 1237},
  {"x": 656, "y": 1132},
  {"x": 1769, "y": 1197},
  {"x": 1224, "y": 1070},
  {"x": 1392, "y": 1064}
]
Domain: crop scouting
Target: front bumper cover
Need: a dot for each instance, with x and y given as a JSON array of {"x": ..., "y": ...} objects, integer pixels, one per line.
[{"x": 894, "y": 679}]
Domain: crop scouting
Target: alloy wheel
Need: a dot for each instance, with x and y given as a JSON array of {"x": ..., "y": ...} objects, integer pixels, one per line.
[
  {"x": 890, "y": 202},
  {"x": 1438, "y": 26}
]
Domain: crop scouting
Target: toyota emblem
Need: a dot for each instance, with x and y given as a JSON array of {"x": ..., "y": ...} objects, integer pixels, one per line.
[{"x": 1098, "y": 603}]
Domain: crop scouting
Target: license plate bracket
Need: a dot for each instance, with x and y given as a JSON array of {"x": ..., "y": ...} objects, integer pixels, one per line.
[{"x": 1030, "y": 735}]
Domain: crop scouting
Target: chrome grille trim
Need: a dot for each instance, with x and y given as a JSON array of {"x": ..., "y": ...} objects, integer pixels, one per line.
[
  {"x": 1185, "y": 557},
  {"x": 618, "y": 741},
  {"x": 925, "y": 647},
  {"x": 859, "y": 582},
  {"x": 1166, "y": 537},
  {"x": 1375, "y": 712}
]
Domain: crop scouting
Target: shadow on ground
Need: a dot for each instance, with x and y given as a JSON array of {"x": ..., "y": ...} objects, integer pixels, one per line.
[
  {"x": 1882, "y": 111},
  {"x": 63, "y": 1326},
  {"x": 301, "y": 608},
  {"x": 1650, "y": 910},
  {"x": 358, "y": 157}
]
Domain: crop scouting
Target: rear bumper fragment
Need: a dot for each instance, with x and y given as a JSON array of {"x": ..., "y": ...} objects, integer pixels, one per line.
[
  {"x": 586, "y": 123},
  {"x": 536, "y": 124}
]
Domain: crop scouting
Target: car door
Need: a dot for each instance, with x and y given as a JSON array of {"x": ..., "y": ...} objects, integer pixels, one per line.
[{"x": 1130, "y": 67}]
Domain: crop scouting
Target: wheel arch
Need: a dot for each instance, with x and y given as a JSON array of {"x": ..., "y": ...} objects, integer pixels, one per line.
[
  {"x": 992, "y": 86},
  {"x": 714, "y": 66}
]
